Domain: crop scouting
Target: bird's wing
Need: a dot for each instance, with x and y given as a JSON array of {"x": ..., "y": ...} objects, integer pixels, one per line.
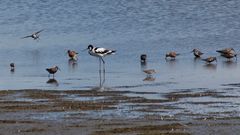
[
  {"x": 38, "y": 31},
  {"x": 27, "y": 36},
  {"x": 101, "y": 50}
]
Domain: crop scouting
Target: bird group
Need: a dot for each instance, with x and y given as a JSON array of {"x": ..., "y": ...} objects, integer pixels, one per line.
[
  {"x": 100, "y": 52},
  {"x": 92, "y": 50},
  {"x": 228, "y": 53}
]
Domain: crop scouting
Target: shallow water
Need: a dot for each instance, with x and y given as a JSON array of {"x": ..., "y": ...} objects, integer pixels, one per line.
[{"x": 130, "y": 27}]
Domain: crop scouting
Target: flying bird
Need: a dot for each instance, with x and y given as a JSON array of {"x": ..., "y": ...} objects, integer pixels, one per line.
[{"x": 35, "y": 35}]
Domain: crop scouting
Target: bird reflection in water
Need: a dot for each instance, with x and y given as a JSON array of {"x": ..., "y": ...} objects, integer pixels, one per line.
[
  {"x": 230, "y": 64},
  {"x": 53, "y": 81},
  {"x": 171, "y": 63},
  {"x": 72, "y": 64},
  {"x": 149, "y": 78},
  {"x": 210, "y": 66},
  {"x": 101, "y": 81},
  {"x": 143, "y": 66}
]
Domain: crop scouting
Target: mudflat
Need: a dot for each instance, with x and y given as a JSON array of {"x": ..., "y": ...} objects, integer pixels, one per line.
[{"x": 96, "y": 112}]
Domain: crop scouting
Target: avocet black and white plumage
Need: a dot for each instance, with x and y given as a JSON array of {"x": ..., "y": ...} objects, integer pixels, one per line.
[
  {"x": 35, "y": 35},
  {"x": 99, "y": 52}
]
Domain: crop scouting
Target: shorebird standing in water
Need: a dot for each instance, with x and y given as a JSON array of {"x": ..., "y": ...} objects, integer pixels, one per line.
[
  {"x": 197, "y": 53},
  {"x": 172, "y": 55},
  {"x": 35, "y": 35},
  {"x": 12, "y": 66},
  {"x": 226, "y": 51},
  {"x": 149, "y": 73},
  {"x": 100, "y": 53},
  {"x": 52, "y": 70},
  {"x": 210, "y": 59},
  {"x": 229, "y": 55},
  {"x": 72, "y": 55},
  {"x": 143, "y": 58}
]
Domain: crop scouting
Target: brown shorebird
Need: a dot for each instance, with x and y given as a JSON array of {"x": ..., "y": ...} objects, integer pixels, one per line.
[
  {"x": 229, "y": 55},
  {"x": 35, "y": 35},
  {"x": 72, "y": 54},
  {"x": 172, "y": 55},
  {"x": 12, "y": 65},
  {"x": 52, "y": 70},
  {"x": 197, "y": 53},
  {"x": 226, "y": 50},
  {"x": 143, "y": 58},
  {"x": 210, "y": 59},
  {"x": 149, "y": 71}
]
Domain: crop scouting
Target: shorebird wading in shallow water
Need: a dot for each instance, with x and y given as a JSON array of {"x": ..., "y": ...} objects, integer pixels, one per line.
[
  {"x": 35, "y": 35},
  {"x": 172, "y": 55},
  {"x": 210, "y": 59},
  {"x": 12, "y": 65},
  {"x": 72, "y": 54},
  {"x": 100, "y": 53},
  {"x": 226, "y": 51},
  {"x": 52, "y": 70},
  {"x": 197, "y": 53},
  {"x": 143, "y": 58}
]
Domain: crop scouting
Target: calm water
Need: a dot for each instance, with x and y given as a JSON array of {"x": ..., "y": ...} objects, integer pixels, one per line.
[{"x": 130, "y": 27}]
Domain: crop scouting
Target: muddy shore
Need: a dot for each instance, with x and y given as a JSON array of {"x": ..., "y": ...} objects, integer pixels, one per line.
[{"x": 94, "y": 112}]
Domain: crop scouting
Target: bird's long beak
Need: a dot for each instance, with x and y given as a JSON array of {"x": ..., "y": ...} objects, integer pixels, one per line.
[
  {"x": 59, "y": 69},
  {"x": 84, "y": 49}
]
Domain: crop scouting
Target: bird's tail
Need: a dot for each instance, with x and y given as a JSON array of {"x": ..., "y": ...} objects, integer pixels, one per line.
[
  {"x": 113, "y": 52},
  {"x": 219, "y": 51}
]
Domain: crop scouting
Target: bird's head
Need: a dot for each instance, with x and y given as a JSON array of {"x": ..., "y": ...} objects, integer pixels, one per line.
[
  {"x": 57, "y": 68},
  {"x": 90, "y": 47},
  {"x": 194, "y": 50}
]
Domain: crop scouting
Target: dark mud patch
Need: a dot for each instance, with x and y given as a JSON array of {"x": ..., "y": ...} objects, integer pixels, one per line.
[
  {"x": 175, "y": 96},
  {"x": 168, "y": 129}
]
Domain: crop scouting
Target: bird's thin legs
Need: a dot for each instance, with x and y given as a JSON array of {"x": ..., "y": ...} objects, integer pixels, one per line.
[
  {"x": 103, "y": 64},
  {"x": 100, "y": 65}
]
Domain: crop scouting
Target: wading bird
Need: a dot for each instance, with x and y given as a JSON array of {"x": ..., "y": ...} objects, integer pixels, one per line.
[
  {"x": 197, "y": 53},
  {"x": 100, "y": 53},
  {"x": 72, "y": 54},
  {"x": 210, "y": 59},
  {"x": 52, "y": 70},
  {"x": 172, "y": 55}
]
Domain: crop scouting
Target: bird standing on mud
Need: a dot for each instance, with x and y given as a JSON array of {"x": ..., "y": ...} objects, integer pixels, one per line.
[
  {"x": 210, "y": 59},
  {"x": 35, "y": 35},
  {"x": 197, "y": 53},
  {"x": 52, "y": 70},
  {"x": 72, "y": 55},
  {"x": 172, "y": 55},
  {"x": 100, "y": 53}
]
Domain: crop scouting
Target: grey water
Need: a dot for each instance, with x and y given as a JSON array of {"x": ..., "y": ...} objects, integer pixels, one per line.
[
  {"x": 132, "y": 28},
  {"x": 153, "y": 27}
]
